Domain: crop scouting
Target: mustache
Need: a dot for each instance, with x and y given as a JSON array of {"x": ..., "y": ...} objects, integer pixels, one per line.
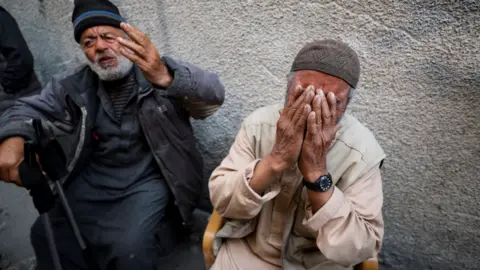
[{"x": 107, "y": 53}]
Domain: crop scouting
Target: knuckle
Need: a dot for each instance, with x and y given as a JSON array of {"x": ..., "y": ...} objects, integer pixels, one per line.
[
  {"x": 143, "y": 38},
  {"x": 7, "y": 163}
]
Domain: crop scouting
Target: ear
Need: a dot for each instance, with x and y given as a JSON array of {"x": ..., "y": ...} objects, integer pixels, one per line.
[{"x": 351, "y": 94}]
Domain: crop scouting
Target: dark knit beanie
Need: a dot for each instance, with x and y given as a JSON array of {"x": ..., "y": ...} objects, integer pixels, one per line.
[
  {"x": 90, "y": 13},
  {"x": 331, "y": 57}
]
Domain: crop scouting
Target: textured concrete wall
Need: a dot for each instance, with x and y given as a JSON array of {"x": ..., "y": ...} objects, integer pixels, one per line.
[{"x": 419, "y": 93}]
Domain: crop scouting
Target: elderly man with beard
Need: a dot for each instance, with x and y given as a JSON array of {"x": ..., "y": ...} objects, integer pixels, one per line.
[
  {"x": 133, "y": 149},
  {"x": 301, "y": 186}
]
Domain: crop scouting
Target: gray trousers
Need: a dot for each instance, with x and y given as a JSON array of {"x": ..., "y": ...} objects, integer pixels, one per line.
[{"x": 132, "y": 235}]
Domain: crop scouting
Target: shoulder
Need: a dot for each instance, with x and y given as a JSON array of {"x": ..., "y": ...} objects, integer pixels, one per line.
[
  {"x": 267, "y": 115},
  {"x": 358, "y": 138},
  {"x": 74, "y": 79},
  {"x": 73, "y": 73}
]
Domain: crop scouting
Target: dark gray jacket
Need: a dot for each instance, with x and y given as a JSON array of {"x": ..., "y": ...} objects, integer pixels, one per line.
[{"x": 67, "y": 106}]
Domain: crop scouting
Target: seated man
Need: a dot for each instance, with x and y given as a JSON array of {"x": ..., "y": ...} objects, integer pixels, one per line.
[
  {"x": 132, "y": 145},
  {"x": 301, "y": 186}
]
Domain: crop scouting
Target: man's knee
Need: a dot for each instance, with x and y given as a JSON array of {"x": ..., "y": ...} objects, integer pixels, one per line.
[
  {"x": 132, "y": 242},
  {"x": 128, "y": 253}
]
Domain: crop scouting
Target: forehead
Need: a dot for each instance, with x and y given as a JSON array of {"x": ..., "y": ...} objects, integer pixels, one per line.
[
  {"x": 320, "y": 80},
  {"x": 97, "y": 30}
]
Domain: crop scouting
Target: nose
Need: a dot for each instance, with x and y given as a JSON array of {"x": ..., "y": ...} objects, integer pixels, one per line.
[{"x": 101, "y": 45}]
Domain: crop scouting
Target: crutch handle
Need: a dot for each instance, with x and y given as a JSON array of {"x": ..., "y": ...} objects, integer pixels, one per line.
[{"x": 35, "y": 181}]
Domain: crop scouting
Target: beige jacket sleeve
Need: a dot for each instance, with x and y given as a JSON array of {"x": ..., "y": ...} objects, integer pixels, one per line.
[
  {"x": 350, "y": 226},
  {"x": 230, "y": 192}
]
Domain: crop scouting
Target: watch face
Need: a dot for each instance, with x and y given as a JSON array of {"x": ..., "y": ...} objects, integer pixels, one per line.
[{"x": 325, "y": 183}]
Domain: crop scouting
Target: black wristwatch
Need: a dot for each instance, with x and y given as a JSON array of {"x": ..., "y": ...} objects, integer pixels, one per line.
[{"x": 322, "y": 184}]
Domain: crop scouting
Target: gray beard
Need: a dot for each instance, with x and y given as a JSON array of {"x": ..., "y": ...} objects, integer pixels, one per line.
[{"x": 124, "y": 65}]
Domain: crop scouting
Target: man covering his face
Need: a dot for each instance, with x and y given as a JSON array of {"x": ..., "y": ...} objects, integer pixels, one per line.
[
  {"x": 301, "y": 185},
  {"x": 132, "y": 153}
]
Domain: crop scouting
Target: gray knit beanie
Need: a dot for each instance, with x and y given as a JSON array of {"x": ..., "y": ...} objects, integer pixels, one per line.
[{"x": 331, "y": 57}]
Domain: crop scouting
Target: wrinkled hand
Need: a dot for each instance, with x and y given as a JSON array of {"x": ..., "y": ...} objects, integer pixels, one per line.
[
  {"x": 321, "y": 129},
  {"x": 140, "y": 50},
  {"x": 291, "y": 128},
  {"x": 11, "y": 156}
]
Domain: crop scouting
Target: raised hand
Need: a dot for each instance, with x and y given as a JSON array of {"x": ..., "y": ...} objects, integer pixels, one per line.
[
  {"x": 321, "y": 129},
  {"x": 140, "y": 50},
  {"x": 291, "y": 127}
]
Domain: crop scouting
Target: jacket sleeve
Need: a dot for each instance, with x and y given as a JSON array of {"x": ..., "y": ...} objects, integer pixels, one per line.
[
  {"x": 49, "y": 106},
  {"x": 201, "y": 92},
  {"x": 230, "y": 192},
  {"x": 349, "y": 226}
]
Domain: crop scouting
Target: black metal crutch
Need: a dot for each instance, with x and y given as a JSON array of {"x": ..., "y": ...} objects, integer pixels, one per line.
[{"x": 53, "y": 162}]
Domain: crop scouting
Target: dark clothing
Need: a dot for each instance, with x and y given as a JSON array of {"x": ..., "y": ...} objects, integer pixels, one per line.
[
  {"x": 132, "y": 240},
  {"x": 120, "y": 93},
  {"x": 123, "y": 167},
  {"x": 121, "y": 196},
  {"x": 66, "y": 106},
  {"x": 17, "y": 77}
]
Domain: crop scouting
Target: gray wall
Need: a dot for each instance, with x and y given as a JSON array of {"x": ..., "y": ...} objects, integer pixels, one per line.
[{"x": 419, "y": 93}]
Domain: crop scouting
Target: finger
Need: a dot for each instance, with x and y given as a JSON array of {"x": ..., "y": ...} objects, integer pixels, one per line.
[
  {"x": 316, "y": 102},
  {"x": 318, "y": 109},
  {"x": 326, "y": 116},
  {"x": 14, "y": 176},
  {"x": 133, "y": 57},
  {"x": 135, "y": 34},
  {"x": 132, "y": 46},
  {"x": 311, "y": 126},
  {"x": 296, "y": 105},
  {"x": 302, "y": 103},
  {"x": 303, "y": 117},
  {"x": 310, "y": 95},
  {"x": 332, "y": 102},
  {"x": 293, "y": 95}
]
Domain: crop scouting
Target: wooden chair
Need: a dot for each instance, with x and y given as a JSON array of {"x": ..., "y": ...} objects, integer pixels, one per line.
[{"x": 216, "y": 222}]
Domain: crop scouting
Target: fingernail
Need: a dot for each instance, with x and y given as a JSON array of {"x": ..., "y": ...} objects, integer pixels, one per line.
[
  {"x": 311, "y": 88},
  {"x": 332, "y": 95},
  {"x": 321, "y": 93},
  {"x": 120, "y": 39}
]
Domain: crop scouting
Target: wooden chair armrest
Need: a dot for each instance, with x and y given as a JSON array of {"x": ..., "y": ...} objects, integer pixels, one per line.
[
  {"x": 214, "y": 225},
  {"x": 370, "y": 264}
]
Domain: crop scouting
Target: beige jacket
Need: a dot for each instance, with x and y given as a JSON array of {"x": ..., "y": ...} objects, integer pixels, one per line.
[{"x": 279, "y": 226}]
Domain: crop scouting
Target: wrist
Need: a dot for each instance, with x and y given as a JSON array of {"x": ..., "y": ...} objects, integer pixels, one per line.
[
  {"x": 313, "y": 175},
  {"x": 276, "y": 164},
  {"x": 165, "y": 80}
]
